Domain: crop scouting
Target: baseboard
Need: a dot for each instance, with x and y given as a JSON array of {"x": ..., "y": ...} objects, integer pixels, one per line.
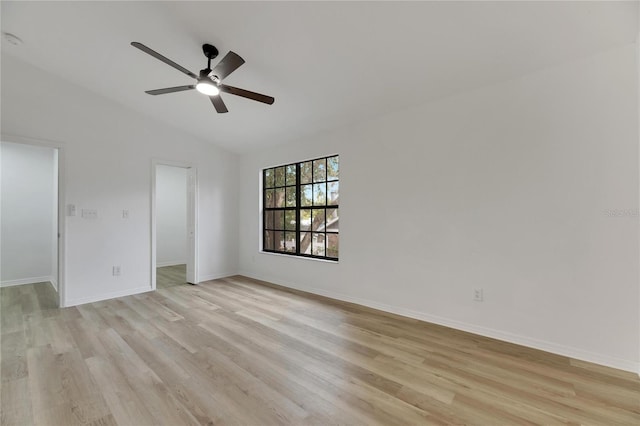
[
  {"x": 210, "y": 277},
  {"x": 106, "y": 296},
  {"x": 171, "y": 263},
  {"x": 543, "y": 345},
  {"x": 22, "y": 281}
]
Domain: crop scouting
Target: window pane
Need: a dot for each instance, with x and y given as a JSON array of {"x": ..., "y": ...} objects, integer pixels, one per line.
[
  {"x": 280, "y": 197},
  {"x": 332, "y": 220},
  {"x": 305, "y": 219},
  {"x": 290, "y": 220},
  {"x": 269, "y": 237},
  {"x": 301, "y": 214},
  {"x": 291, "y": 196},
  {"x": 268, "y": 178},
  {"x": 268, "y": 220},
  {"x": 291, "y": 174},
  {"x": 280, "y": 176},
  {"x": 333, "y": 168},
  {"x": 269, "y": 196},
  {"x": 290, "y": 242},
  {"x": 279, "y": 246},
  {"x": 278, "y": 219},
  {"x": 320, "y": 170},
  {"x": 319, "y": 194},
  {"x": 317, "y": 222},
  {"x": 332, "y": 245},
  {"x": 306, "y": 172},
  {"x": 333, "y": 192},
  {"x": 306, "y": 196},
  {"x": 317, "y": 244},
  {"x": 305, "y": 243}
]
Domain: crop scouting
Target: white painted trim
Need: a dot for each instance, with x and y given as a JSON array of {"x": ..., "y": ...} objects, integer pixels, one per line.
[
  {"x": 170, "y": 263},
  {"x": 153, "y": 225},
  {"x": 543, "y": 345},
  {"x": 62, "y": 217},
  {"x": 211, "y": 277},
  {"x": 187, "y": 165},
  {"x": 23, "y": 281},
  {"x": 192, "y": 208},
  {"x": 8, "y": 137},
  {"x": 107, "y": 296},
  {"x": 55, "y": 202},
  {"x": 637, "y": 70}
]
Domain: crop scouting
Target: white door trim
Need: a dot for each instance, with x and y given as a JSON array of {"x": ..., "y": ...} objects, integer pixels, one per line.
[
  {"x": 192, "y": 214},
  {"x": 62, "y": 217},
  {"x": 192, "y": 251}
]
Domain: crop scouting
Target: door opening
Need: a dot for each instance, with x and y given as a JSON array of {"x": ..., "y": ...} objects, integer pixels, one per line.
[
  {"x": 30, "y": 226},
  {"x": 174, "y": 245}
]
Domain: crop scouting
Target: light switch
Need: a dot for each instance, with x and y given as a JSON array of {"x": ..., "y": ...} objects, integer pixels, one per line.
[
  {"x": 71, "y": 210},
  {"x": 125, "y": 214},
  {"x": 89, "y": 213}
]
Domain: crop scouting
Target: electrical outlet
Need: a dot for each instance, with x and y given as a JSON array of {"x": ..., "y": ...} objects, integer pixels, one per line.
[
  {"x": 125, "y": 214},
  {"x": 478, "y": 294},
  {"x": 116, "y": 271}
]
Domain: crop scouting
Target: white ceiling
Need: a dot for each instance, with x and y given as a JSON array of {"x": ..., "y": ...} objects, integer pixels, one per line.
[{"x": 328, "y": 64}]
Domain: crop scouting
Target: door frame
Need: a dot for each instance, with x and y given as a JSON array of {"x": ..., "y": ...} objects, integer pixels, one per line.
[
  {"x": 192, "y": 252},
  {"x": 62, "y": 252}
]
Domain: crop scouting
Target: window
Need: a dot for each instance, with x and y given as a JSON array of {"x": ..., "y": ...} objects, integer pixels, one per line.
[{"x": 300, "y": 214}]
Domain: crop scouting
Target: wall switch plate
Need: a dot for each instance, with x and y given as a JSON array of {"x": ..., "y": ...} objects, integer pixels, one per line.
[
  {"x": 89, "y": 213},
  {"x": 116, "y": 271},
  {"x": 478, "y": 294},
  {"x": 71, "y": 210},
  {"x": 125, "y": 214}
]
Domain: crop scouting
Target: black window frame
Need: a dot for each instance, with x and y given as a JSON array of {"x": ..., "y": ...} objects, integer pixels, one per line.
[{"x": 284, "y": 187}]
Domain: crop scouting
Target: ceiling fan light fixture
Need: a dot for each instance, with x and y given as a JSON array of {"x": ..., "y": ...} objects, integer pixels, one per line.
[
  {"x": 207, "y": 87},
  {"x": 209, "y": 82}
]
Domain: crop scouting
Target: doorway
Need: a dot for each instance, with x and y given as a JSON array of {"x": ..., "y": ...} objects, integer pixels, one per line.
[
  {"x": 174, "y": 225},
  {"x": 29, "y": 222}
]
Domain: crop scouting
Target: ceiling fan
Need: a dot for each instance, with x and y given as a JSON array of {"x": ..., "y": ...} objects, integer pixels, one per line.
[{"x": 209, "y": 82}]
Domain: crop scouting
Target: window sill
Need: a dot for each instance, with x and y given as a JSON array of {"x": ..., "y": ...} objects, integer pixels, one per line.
[{"x": 315, "y": 259}]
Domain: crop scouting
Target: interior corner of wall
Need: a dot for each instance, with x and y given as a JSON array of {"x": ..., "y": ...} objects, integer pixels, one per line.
[{"x": 54, "y": 282}]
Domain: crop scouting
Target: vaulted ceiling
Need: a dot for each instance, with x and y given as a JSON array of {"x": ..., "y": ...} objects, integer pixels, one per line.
[{"x": 328, "y": 64}]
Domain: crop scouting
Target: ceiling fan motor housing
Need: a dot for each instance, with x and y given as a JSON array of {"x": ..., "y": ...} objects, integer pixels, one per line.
[{"x": 209, "y": 51}]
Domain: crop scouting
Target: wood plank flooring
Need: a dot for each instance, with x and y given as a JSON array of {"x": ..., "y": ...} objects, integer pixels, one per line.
[
  {"x": 169, "y": 276},
  {"x": 239, "y": 352}
]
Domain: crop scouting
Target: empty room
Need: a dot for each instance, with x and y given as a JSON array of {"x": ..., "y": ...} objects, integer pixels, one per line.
[{"x": 319, "y": 213}]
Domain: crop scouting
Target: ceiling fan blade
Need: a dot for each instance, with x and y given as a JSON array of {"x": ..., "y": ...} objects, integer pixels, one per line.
[
  {"x": 170, "y": 90},
  {"x": 246, "y": 94},
  {"x": 218, "y": 104},
  {"x": 167, "y": 61},
  {"x": 227, "y": 65}
]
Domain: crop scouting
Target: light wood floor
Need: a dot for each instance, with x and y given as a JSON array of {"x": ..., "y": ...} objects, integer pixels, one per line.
[
  {"x": 169, "y": 276},
  {"x": 235, "y": 351}
]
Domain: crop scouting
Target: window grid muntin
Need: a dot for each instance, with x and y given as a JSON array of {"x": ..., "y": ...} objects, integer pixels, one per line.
[{"x": 284, "y": 183}]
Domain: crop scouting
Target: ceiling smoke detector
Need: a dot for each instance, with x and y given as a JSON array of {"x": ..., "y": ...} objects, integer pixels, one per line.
[{"x": 12, "y": 39}]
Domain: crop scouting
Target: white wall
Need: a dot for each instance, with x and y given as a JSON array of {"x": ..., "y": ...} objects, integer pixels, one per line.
[
  {"x": 527, "y": 189},
  {"x": 171, "y": 215},
  {"x": 28, "y": 216},
  {"x": 106, "y": 163}
]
